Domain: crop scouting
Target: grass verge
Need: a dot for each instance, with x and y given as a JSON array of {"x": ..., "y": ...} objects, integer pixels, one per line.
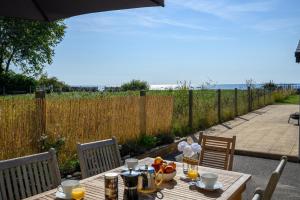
[{"x": 292, "y": 99}]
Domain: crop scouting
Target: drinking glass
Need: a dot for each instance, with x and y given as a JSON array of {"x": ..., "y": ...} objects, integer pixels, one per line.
[
  {"x": 78, "y": 193},
  {"x": 193, "y": 172}
]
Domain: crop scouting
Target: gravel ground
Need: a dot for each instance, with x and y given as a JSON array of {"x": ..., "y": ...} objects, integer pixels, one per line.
[{"x": 288, "y": 187}]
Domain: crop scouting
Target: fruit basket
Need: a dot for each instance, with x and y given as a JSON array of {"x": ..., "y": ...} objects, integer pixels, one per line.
[
  {"x": 164, "y": 170},
  {"x": 166, "y": 177}
]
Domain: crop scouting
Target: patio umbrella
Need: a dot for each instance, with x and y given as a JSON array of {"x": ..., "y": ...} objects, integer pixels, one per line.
[
  {"x": 297, "y": 53},
  {"x": 50, "y": 10}
]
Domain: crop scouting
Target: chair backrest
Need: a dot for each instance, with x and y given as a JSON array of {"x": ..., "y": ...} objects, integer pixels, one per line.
[
  {"x": 30, "y": 175},
  {"x": 268, "y": 192},
  {"x": 98, "y": 157},
  {"x": 217, "y": 152}
]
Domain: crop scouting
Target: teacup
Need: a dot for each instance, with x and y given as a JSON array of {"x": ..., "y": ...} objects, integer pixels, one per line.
[
  {"x": 209, "y": 179},
  {"x": 131, "y": 163},
  {"x": 67, "y": 186}
]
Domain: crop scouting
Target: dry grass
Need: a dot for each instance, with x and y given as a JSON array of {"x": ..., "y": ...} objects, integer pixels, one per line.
[
  {"x": 78, "y": 120},
  {"x": 159, "y": 113},
  {"x": 18, "y": 130},
  {"x": 86, "y": 120}
]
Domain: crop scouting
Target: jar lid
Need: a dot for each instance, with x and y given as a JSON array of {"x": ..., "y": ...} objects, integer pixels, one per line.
[
  {"x": 111, "y": 175},
  {"x": 147, "y": 168}
]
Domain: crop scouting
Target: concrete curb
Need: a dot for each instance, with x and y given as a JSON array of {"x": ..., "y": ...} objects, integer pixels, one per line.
[{"x": 265, "y": 155}]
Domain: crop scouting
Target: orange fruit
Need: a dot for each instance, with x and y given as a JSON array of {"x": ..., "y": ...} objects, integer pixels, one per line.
[
  {"x": 169, "y": 169},
  {"x": 158, "y": 160},
  {"x": 156, "y": 167},
  {"x": 172, "y": 164}
]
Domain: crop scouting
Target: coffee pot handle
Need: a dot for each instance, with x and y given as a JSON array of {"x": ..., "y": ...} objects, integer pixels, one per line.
[{"x": 157, "y": 183}]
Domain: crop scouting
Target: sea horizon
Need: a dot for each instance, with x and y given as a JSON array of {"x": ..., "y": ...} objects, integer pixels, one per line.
[{"x": 226, "y": 86}]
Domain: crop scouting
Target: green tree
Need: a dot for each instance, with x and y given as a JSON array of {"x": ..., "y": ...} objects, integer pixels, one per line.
[
  {"x": 135, "y": 85},
  {"x": 13, "y": 82},
  {"x": 27, "y": 44},
  {"x": 53, "y": 82},
  {"x": 270, "y": 86}
]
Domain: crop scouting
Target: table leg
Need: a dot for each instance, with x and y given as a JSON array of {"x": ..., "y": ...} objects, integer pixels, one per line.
[
  {"x": 239, "y": 193},
  {"x": 238, "y": 197}
]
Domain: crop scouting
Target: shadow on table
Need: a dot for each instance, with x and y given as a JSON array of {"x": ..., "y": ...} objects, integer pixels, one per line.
[
  {"x": 160, "y": 193},
  {"x": 210, "y": 194},
  {"x": 169, "y": 185}
]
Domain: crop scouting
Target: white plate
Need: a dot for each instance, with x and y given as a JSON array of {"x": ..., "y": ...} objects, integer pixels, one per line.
[
  {"x": 61, "y": 195},
  {"x": 201, "y": 185}
]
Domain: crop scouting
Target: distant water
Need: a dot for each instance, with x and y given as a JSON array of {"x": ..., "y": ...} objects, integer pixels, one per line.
[
  {"x": 219, "y": 86},
  {"x": 233, "y": 86},
  {"x": 212, "y": 87},
  {"x": 244, "y": 86}
]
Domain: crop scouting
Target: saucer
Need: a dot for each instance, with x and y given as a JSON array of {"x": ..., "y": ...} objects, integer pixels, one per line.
[
  {"x": 61, "y": 195},
  {"x": 201, "y": 185}
]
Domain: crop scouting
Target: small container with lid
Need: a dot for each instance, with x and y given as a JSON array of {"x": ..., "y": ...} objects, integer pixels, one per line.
[
  {"x": 111, "y": 186},
  {"x": 148, "y": 181}
]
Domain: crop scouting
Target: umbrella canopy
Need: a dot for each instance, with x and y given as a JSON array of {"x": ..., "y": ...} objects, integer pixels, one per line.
[
  {"x": 297, "y": 53},
  {"x": 50, "y": 10}
]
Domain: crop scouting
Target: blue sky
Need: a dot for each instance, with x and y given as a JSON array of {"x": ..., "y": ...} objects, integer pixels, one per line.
[{"x": 226, "y": 41}]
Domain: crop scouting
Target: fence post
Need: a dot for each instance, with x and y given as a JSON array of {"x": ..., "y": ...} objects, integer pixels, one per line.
[
  {"x": 264, "y": 96},
  {"x": 219, "y": 105},
  {"x": 235, "y": 102},
  {"x": 3, "y": 90},
  {"x": 143, "y": 112},
  {"x": 40, "y": 103},
  {"x": 258, "y": 96},
  {"x": 191, "y": 109},
  {"x": 249, "y": 100}
]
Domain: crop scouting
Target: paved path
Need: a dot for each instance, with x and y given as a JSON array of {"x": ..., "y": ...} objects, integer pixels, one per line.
[{"x": 265, "y": 131}]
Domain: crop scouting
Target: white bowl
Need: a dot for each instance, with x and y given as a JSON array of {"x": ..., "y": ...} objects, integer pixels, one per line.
[{"x": 166, "y": 177}]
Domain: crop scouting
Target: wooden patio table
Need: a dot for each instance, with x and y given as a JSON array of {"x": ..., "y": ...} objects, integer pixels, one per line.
[{"x": 234, "y": 184}]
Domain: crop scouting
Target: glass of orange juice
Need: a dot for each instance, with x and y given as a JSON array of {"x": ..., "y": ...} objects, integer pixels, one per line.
[
  {"x": 193, "y": 172},
  {"x": 78, "y": 193}
]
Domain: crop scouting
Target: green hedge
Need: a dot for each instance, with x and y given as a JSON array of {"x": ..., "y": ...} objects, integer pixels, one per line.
[{"x": 16, "y": 83}]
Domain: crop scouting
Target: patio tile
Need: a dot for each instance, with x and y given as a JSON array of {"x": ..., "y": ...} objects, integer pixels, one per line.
[{"x": 269, "y": 132}]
